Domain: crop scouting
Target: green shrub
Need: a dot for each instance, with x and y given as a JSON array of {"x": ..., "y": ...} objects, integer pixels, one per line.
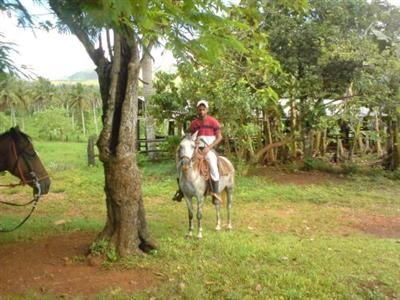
[
  {"x": 350, "y": 168},
  {"x": 99, "y": 247},
  {"x": 317, "y": 164},
  {"x": 171, "y": 145},
  {"x": 394, "y": 175}
]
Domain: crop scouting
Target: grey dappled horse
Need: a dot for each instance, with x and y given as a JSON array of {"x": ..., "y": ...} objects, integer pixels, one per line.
[{"x": 192, "y": 184}]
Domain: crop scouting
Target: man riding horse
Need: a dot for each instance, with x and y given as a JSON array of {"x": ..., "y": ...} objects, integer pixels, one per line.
[{"x": 208, "y": 137}]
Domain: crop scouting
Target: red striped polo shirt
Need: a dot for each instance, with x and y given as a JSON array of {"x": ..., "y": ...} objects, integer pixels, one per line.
[{"x": 208, "y": 127}]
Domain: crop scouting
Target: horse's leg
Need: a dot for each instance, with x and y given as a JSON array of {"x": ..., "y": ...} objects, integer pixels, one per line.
[
  {"x": 200, "y": 201},
  {"x": 229, "y": 192},
  {"x": 190, "y": 213},
  {"x": 217, "y": 205}
]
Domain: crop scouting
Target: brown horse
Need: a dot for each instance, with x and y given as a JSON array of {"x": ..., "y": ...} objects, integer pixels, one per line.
[{"x": 18, "y": 156}]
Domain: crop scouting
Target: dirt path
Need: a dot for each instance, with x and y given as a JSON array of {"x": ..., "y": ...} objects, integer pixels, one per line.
[{"x": 51, "y": 266}]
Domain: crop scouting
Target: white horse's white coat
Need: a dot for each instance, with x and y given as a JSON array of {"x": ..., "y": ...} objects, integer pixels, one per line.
[{"x": 193, "y": 185}]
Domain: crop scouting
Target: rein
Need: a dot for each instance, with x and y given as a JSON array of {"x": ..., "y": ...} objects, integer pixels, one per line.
[{"x": 35, "y": 200}]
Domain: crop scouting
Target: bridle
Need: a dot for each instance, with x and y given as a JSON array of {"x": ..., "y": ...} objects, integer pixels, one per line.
[
  {"x": 34, "y": 180},
  {"x": 187, "y": 158}
]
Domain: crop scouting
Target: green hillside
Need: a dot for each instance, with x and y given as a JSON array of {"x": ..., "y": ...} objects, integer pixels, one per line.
[{"x": 83, "y": 76}]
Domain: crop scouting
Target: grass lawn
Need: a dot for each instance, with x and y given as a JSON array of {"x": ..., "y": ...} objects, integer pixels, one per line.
[{"x": 339, "y": 238}]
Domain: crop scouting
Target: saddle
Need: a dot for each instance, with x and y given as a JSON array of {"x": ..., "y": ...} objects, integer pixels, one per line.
[{"x": 200, "y": 163}]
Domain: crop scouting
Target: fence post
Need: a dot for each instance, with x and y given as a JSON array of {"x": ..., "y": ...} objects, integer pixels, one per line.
[{"x": 90, "y": 150}]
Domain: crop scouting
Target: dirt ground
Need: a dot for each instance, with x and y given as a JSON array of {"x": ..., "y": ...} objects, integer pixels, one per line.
[
  {"x": 376, "y": 225},
  {"x": 52, "y": 266}
]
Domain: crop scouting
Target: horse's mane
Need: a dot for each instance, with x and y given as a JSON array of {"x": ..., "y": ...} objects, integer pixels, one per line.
[{"x": 15, "y": 133}]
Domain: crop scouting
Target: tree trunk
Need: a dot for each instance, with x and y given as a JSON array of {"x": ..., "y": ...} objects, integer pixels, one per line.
[
  {"x": 379, "y": 150},
  {"x": 83, "y": 122},
  {"x": 355, "y": 141},
  {"x": 308, "y": 141},
  {"x": 324, "y": 143},
  {"x": 72, "y": 120},
  {"x": 396, "y": 144},
  {"x": 317, "y": 143},
  {"x": 392, "y": 161},
  {"x": 147, "y": 72},
  {"x": 339, "y": 150},
  {"x": 126, "y": 227},
  {"x": 293, "y": 125},
  {"x": 268, "y": 135},
  {"x": 96, "y": 126}
]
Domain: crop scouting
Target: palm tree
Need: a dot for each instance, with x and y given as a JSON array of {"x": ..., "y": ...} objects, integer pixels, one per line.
[
  {"x": 43, "y": 93},
  {"x": 12, "y": 97},
  {"x": 147, "y": 73},
  {"x": 78, "y": 98}
]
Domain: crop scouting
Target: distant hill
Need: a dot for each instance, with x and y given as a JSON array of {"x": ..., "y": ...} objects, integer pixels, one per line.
[{"x": 83, "y": 75}]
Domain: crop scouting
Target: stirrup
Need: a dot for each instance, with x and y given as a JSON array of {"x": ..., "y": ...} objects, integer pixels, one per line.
[
  {"x": 216, "y": 197},
  {"x": 178, "y": 196}
]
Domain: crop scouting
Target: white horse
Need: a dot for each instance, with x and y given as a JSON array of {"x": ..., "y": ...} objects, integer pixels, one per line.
[{"x": 193, "y": 184}]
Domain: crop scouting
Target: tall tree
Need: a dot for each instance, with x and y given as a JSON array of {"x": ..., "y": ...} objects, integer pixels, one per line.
[{"x": 147, "y": 73}]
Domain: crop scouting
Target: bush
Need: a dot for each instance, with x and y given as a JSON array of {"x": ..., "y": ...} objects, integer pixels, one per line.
[
  {"x": 350, "y": 168},
  {"x": 171, "y": 145},
  {"x": 317, "y": 164},
  {"x": 394, "y": 175}
]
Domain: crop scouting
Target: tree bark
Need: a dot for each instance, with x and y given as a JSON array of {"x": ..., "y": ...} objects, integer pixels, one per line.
[
  {"x": 317, "y": 143},
  {"x": 324, "y": 143},
  {"x": 396, "y": 144},
  {"x": 293, "y": 126},
  {"x": 83, "y": 122},
  {"x": 378, "y": 136},
  {"x": 96, "y": 126},
  {"x": 268, "y": 136}
]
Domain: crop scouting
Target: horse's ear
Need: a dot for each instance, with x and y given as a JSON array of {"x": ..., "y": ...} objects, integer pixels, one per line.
[
  {"x": 194, "y": 135},
  {"x": 183, "y": 134}
]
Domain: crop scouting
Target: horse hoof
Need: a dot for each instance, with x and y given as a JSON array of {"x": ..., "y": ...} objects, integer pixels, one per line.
[
  {"x": 218, "y": 228},
  {"x": 199, "y": 236},
  {"x": 229, "y": 227},
  {"x": 189, "y": 235}
]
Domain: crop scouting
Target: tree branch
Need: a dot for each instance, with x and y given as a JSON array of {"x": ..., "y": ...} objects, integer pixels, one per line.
[{"x": 97, "y": 55}]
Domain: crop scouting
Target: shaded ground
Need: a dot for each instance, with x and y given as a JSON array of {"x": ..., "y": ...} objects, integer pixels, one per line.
[{"x": 55, "y": 266}]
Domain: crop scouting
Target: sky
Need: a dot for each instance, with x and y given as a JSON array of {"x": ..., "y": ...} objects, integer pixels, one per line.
[{"x": 57, "y": 56}]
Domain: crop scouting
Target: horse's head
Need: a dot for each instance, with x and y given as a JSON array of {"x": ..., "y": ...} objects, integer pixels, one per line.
[
  {"x": 186, "y": 149},
  {"x": 20, "y": 159}
]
